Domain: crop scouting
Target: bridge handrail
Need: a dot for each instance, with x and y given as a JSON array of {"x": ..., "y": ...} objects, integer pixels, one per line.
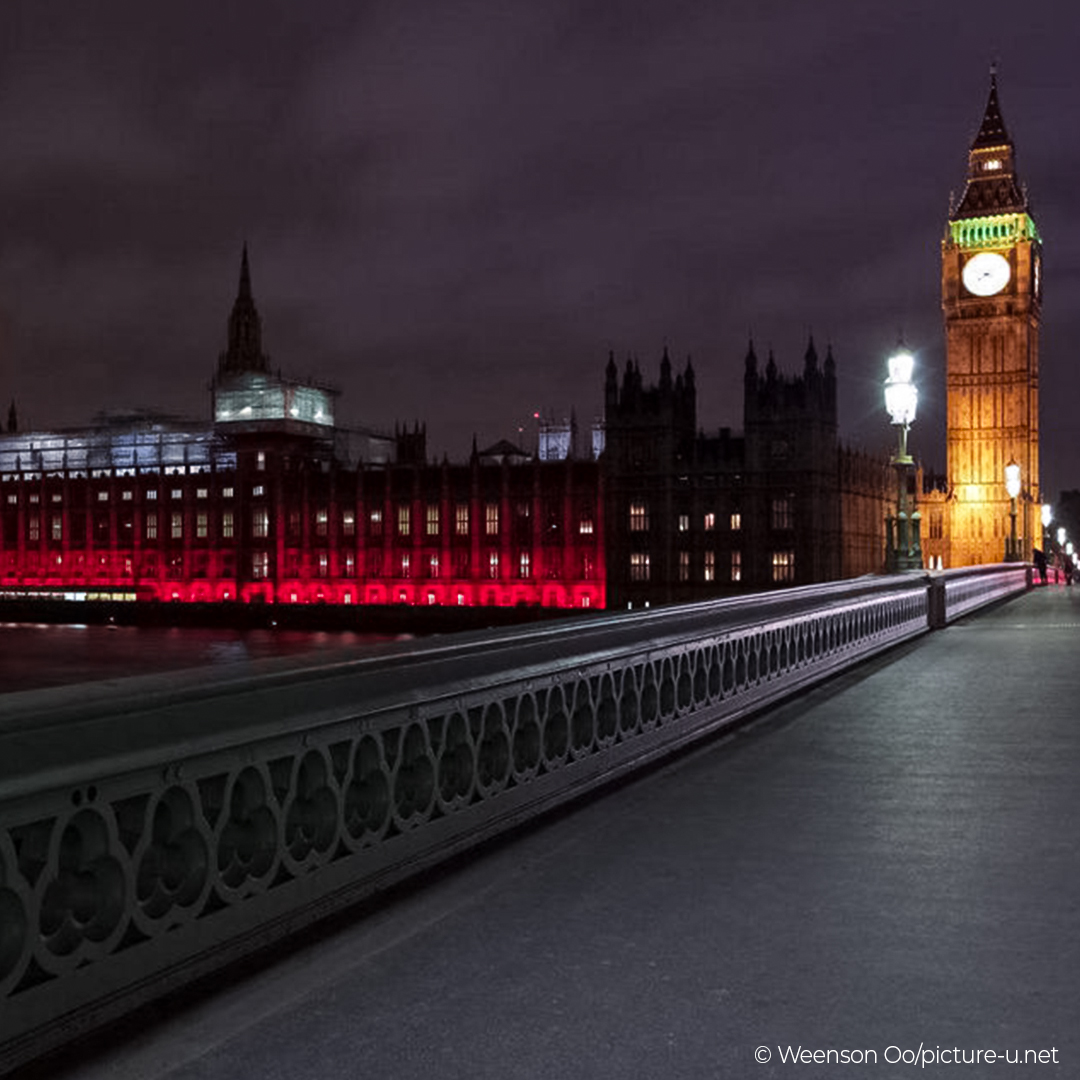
[{"x": 154, "y": 829}]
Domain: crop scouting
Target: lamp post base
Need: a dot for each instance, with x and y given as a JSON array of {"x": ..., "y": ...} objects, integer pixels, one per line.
[{"x": 903, "y": 550}]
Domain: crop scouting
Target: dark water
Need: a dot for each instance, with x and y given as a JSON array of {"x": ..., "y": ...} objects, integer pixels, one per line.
[{"x": 39, "y": 655}]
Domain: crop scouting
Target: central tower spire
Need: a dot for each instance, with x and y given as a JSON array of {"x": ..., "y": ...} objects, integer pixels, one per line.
[{"x": 244, "y": 351}]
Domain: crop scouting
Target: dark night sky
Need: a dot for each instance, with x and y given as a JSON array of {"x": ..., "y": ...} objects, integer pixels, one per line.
[{"x": 456, "y": 209}]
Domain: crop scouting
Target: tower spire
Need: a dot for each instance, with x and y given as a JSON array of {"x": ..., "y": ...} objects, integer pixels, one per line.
[
  {"x": 992, "y": 185},
  {"x": 992, "y": 131},
  {"x": 244, "y": 351},
  {"x": 244, "y": 292}
]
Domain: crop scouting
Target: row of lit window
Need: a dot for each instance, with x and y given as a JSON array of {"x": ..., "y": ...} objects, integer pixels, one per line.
[
  {"x": 782, "y": 516},
  {"x": 783, "y": 566},
  {"x": 175, "y": 524},
  {"x": 433, "y": 519},
  {"x": 404, "y": 566},
  {"x": 260, "y": 523},
  {"x": 127, "y": 495},
  {"x": 404, "y": 514}
]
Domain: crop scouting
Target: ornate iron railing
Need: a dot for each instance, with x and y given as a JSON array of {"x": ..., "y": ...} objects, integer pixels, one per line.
[{"x": 154, "y": 829}]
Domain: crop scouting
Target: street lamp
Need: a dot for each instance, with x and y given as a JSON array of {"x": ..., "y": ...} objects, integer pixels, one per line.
[
  {"x": 1012, "y": 486},
  {"x": 1047, "y": 517},
  {"x": 903, "y": 550}
]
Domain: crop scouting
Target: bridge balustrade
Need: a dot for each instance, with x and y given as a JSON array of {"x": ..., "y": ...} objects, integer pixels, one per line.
[
  {"x": 967, "y": 590},
  {"x": 158, "y": 828}
]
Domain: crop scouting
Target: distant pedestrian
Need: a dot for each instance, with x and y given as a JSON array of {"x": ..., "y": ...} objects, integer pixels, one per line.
[
  {"x": 1040, "y": 564},
  {"x": 1067, "y": 567}
]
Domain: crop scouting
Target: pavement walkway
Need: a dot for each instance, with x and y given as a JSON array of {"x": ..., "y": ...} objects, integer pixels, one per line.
[{"x": 886, "y": 867}]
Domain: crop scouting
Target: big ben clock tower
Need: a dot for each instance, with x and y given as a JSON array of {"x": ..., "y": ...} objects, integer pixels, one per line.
[{"x": 991, "y": 292}]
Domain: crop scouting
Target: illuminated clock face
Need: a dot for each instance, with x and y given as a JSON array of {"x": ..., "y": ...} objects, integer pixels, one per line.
[{"x": 986, "y": 273}]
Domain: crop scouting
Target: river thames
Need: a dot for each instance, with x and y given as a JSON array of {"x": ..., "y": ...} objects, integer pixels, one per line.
[{"x": 39, "y": 655}]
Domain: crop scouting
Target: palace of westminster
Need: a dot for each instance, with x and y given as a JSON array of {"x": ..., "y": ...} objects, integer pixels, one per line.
[{"x": 270, "y": 501}]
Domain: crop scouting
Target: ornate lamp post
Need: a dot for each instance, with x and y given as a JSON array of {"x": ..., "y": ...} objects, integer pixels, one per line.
[
  {"x": 1012, "y": 486},
  {"x": 1047, "y": 517},
  {"x": 903, "y": 550}
]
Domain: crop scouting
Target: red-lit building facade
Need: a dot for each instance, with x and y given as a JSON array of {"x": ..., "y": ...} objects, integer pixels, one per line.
[{"x": 271, "y": 502}]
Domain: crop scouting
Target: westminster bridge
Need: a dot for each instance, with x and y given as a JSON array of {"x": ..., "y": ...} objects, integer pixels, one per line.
[{"x": 857, "y": 835}]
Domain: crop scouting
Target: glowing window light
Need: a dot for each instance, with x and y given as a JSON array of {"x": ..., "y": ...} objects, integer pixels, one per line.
[{"x": 783, "y": 566}]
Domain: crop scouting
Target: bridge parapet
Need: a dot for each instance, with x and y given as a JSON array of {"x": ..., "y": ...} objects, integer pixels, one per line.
[
  {"x": 954, "y": 593},
  {"x": 155, "y": 829}
]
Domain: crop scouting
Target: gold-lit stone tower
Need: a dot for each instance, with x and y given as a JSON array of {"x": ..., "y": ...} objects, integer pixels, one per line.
[{"x": 991, "y": 291}]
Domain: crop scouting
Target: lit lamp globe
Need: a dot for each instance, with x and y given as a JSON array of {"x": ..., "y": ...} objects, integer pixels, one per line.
[
  {"x": 1047, "y": 515},
  {"x": 1012, "y": 479},
  {"x": 901, "y": 396},
  {"x": 1061, "y": 535}
]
